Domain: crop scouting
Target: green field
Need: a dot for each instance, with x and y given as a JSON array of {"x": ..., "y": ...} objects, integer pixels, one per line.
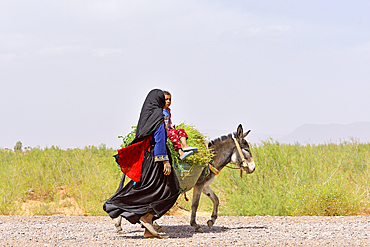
[{"x": 331, "y": 179}]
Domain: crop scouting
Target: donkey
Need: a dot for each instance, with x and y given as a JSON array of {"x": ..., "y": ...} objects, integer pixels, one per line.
[
  {"x": 232, "y": 148},
  {"x": 226, "y": 149}
]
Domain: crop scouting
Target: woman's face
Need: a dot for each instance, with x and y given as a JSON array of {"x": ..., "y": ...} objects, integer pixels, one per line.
[{"x": 168, "y": 100}]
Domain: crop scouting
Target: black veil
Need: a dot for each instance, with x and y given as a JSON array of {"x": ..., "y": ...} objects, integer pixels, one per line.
[{"x": 151, "y": 115}]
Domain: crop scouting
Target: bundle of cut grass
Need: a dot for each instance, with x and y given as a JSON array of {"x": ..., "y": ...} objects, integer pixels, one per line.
[{"x": 187, "y": 171}]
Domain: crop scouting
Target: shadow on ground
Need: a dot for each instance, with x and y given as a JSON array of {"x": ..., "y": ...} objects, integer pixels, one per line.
[{"x": 186, "y": 231}]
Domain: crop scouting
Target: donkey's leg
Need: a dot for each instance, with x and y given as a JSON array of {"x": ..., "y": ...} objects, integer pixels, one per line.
[
  {"x": 119, "y": 218},
  {"x": 208, "y": 191},
  {"x": 118, "y": 225},
  {"x": 197, "y": 191}
]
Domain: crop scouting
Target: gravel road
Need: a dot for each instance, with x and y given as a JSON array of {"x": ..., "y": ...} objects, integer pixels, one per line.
[{"x": 228, "y": 231}]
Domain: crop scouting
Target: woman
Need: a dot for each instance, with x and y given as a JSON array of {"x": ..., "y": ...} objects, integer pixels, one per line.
[{"x": 154, "y": 188}]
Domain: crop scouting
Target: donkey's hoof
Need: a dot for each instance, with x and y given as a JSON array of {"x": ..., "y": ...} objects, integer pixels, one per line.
[
  {"x": 118, "y": 226},
  {"x": 198, "y": 229},
  {"x": 118, "y": 229},
  {"x": 210, "y": 223}
]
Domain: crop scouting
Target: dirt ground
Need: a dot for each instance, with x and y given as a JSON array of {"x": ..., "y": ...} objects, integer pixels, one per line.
[{"x": 228, "y": 231}]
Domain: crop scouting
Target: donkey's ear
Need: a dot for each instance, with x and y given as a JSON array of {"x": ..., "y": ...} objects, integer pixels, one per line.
[
  {"x": 239, "y": 131},
  {"x": 245, "y": 134}
]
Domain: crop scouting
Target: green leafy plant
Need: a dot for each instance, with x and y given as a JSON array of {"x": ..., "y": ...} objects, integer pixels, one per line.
[
  {"x": 187, "y": 170},
  {"x": 126, "y": 140},
  {"x": 195, "y": 139}
]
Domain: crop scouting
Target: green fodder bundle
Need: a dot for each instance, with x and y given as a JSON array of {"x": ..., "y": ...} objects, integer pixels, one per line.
[
  {"x": 195, "y": 139},
  {"x": 187, "y": 170}
]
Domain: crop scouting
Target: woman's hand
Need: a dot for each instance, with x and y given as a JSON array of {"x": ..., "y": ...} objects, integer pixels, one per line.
[{"x": 167, "y": 167}]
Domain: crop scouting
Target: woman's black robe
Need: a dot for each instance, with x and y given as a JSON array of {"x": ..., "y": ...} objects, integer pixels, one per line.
[{"x": 155, "y": 193}]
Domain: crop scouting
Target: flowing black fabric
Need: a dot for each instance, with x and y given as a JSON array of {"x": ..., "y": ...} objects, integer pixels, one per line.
[
  {"x": 155, "y": 193},
  {"x": 151, "y": 115}
]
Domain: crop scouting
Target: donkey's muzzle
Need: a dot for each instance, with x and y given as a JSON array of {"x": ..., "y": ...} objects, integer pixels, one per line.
[{"x": 249, "y": 167}]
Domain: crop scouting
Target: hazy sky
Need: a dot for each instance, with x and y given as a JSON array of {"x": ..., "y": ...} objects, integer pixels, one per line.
[{"x": 75, "y": 73}]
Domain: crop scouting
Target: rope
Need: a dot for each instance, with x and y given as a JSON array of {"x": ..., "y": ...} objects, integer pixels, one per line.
[
  {"x": 232, "y": 167},
  {"x": 216, "y": 172},
  {"x": 244, "y": 162},
  {"x": 186, "y": 199},
  {"x": 213, "y": 169},
  {"x": 239, "y": 150}
]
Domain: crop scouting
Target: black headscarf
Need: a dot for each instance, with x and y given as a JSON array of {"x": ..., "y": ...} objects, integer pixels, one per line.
[{"x": 151, "y": 115}]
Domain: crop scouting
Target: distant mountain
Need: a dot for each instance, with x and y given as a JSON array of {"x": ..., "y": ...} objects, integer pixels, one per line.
[
  {"x": 330, "y": 133},
  {"x": 258, "y": 138}
]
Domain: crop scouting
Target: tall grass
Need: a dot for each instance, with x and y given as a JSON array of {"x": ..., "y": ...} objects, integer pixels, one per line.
[
  {"x": 89, "y": 174},
  {"x": 331, "y": 179},
  {"x": 327, "y": 180}
]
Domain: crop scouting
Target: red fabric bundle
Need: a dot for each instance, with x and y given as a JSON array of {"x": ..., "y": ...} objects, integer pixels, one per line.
[{"x": 131, "y": 158}]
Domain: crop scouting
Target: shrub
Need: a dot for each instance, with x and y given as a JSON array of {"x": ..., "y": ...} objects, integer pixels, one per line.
[{"x": 18, "y": 146}]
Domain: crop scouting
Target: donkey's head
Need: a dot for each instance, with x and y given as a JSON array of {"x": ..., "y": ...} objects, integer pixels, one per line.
[{"x": 242, "y": 155}]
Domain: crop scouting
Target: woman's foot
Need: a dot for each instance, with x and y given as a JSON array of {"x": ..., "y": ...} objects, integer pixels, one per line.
[
  {"x": 146, "y": 221},
  {"x": 148, "y": 234},
  {"x": 181, "y": 152}
]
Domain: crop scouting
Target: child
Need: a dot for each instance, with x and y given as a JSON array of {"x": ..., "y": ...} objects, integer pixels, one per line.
[{"x": 176, "y": 136}]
